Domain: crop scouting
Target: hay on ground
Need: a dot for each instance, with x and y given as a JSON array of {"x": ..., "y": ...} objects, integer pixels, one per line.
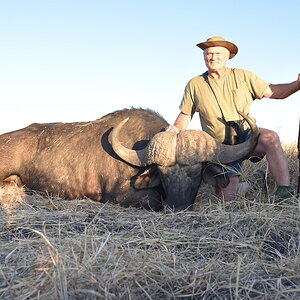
[{"x": 245, "y": 249}]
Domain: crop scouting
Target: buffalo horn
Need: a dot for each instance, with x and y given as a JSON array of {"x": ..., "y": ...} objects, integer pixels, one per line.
[
  {"x": 188, "y": 147},
  {"x": 160, "y": 150}
]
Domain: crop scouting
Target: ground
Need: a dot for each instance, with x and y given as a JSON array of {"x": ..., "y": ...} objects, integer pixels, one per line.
[{"x": 244, "y": 249}]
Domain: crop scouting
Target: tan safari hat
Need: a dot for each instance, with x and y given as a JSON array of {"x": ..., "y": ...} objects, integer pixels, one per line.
[{"x": 217, "y": 41}]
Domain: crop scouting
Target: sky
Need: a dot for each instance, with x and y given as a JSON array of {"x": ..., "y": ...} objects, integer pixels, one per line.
[{"x": 70, "y": 60}]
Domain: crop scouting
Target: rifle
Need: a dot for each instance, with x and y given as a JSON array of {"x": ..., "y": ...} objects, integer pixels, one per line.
[{"x": 298, "y": 186}]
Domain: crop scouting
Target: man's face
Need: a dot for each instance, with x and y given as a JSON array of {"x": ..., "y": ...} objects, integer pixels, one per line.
[{"x": 216, "y": 58}]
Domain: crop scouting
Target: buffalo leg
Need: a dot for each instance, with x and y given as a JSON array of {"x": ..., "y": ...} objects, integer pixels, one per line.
[{"x": 13, "y": 180}]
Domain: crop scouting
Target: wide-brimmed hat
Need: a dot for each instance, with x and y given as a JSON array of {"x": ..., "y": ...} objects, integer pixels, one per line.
[{"x": 217, "y": 41}]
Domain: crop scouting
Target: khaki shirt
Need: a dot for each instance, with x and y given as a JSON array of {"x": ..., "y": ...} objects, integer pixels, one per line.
[{"x": 219, "y": 99}]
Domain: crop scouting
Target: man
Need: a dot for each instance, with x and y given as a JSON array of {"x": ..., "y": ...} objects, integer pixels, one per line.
[{"x": 217, "y": 95}]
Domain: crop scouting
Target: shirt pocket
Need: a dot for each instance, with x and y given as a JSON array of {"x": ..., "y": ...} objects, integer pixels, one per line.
[{"x": 242, "y": 97}]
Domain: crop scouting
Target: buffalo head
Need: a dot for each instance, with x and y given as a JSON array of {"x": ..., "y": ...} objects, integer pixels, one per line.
[{"x": 179, "y": 159}]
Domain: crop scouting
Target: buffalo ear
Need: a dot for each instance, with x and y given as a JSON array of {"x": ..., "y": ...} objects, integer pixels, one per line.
[
  {"x": 215, "y": 175},
  {"x": 149, "y": 178}
]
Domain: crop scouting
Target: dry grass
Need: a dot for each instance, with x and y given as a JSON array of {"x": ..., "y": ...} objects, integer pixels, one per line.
[{"x": 247, "y": 249}]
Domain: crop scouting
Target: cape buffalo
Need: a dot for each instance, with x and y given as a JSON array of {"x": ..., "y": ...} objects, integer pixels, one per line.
[{"x": 145, "y": 167}]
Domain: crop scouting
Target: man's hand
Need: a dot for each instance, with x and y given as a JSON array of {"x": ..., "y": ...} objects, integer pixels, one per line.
[{"x": 172, "y": 128}]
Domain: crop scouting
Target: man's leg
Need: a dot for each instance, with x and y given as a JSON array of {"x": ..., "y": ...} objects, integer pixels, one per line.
[
  {"x": 269, "y": 144},
  {"x": 233, "y": 188}
]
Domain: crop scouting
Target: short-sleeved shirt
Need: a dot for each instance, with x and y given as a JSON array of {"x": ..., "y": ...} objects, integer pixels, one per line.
[{"x": 219, "y": 99}]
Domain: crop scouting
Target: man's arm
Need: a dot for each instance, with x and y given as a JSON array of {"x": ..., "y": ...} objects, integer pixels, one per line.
[
  {"x": 281, "y": 91},
  {"x": 181, "y": 123}
]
